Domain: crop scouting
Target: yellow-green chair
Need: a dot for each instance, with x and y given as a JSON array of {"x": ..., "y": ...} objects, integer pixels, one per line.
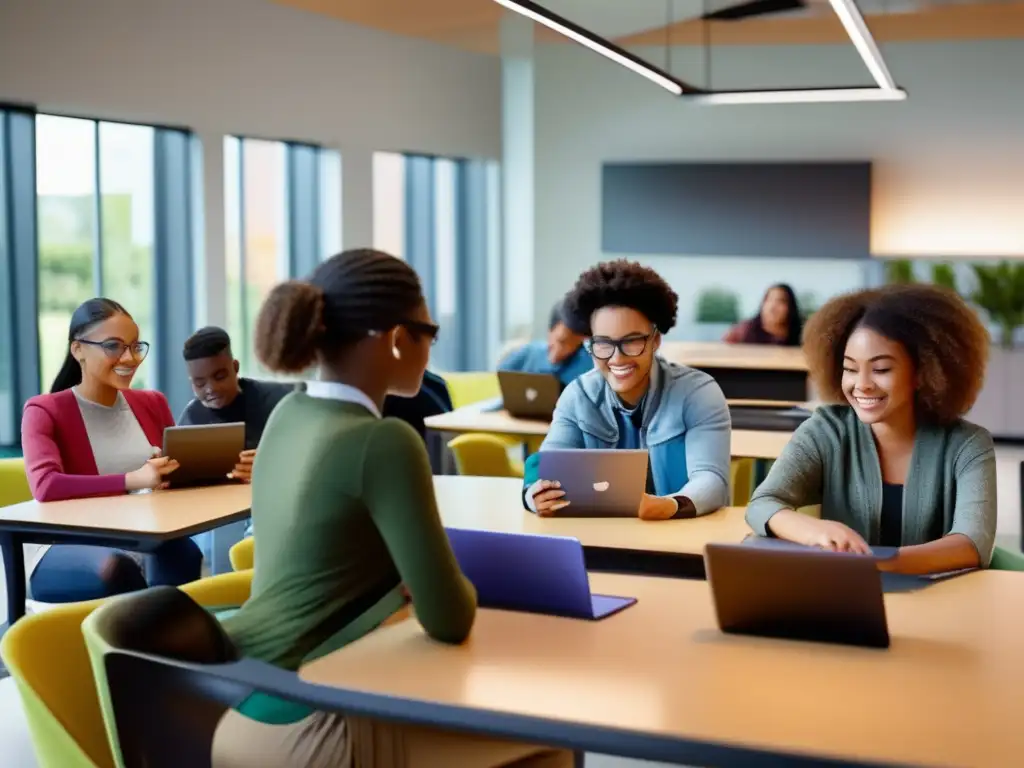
[
  {"x": 242, "y": 554},
  {"x": 13, "y": 482},
  {"x": 469, "y": 387},
  {"x": 1006, "y": 560},
  {"x": 741, "y": 481},
  {"x": 47, "y": 657},
  {"x": 483, "y": 456}
]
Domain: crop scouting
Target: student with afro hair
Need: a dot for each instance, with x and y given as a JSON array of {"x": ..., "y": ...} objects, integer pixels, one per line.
[
  {"x": 892, "y": 462},
  {"x": 633, "y": 399}
]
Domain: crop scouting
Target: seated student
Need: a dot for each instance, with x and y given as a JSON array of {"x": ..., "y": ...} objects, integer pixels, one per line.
[
  {"x": 93, "y": 436},
  {"x": 562, "y": 355},
  {"x": 777, "y": 322},
  {"x": 892, "y": 463},
  {"x": 634, "y": 399},
  {"x": 350, "y": 532},
  {"x": 224, "y": 397}
]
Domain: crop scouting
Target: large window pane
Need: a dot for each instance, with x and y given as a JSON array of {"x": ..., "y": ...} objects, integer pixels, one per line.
[
  {"x": 126, "y": 213},
  {"x": 233, "y": 266},
  {"x": 389, "y": 203},
  {"x": 330, "y": 203},
  {"x": 66, "y": 189},
  {"x": 445, "y": 281}
]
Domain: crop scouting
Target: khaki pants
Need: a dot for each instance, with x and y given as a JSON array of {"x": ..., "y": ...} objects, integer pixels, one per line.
[{"x": 325, "y": 740}]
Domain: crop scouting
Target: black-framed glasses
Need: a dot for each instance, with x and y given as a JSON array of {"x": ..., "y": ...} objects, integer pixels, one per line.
[
  {"x": 424, "y": 329},
  {"x": 603, "y": 348},
  {"x": 115, "y": 348}
]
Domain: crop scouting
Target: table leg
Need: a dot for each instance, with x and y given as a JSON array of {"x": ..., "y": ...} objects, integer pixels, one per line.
[{"x": 14, "y": 573}]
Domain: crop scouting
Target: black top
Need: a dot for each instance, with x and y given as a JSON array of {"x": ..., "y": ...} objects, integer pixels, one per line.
[
  {"x": 433, "y": 399},
  {"x": 253, "y": 406},
  {"x": 890, "y": 533}
]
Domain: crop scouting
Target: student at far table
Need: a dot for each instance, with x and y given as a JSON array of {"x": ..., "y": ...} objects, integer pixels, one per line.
[
  {"x": 776, "y": 322},
  {"x": 635, "y": 399},
  {"x": 562, "y": 355},
  {"x": 93, "y": 436},
  {"x": 224, "y": 397},
  {"x": 344, "y": 506},
  {"x": 892, "y": 462}
]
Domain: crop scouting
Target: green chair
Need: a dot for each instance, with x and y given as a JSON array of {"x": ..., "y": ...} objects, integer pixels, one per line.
[
  {"x": 13, "y": 482},
  {"x": 1006, "y": 560}
]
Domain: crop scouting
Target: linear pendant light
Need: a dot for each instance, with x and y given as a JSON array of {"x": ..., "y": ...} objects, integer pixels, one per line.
[{"x": 847, "y": 11}]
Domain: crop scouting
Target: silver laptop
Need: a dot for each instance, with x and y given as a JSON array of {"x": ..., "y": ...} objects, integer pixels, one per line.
[
  {"x": 529, "y": 395},
  {"x": 599, "y": 483}
]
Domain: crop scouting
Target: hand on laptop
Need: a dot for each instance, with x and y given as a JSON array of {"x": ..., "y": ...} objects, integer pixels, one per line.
[
  {"x": 547, "y": 497},
  {"x": 824, "y": 534},
  {"x": 150, "y": 476},
  {"x": 657, "y": 507},
  {"x": 243, "y": 469}
]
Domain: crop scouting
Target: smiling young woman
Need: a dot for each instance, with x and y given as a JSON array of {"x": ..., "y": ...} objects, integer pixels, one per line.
[
  {"x": 93, "y": 436},
  {"x": 892, "y": 463}
]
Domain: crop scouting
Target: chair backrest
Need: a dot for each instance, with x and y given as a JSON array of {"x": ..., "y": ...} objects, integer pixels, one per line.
[
  {"x": 243, "y": 554},
  {"x": 1006, "y": 560},
  {"x": 50, "y": 666},
  {"x": 14, "y": 487},
  {"x": 471, "y": 387},
  {"x": 159, "y": 621},
  {"x": 482, "y": 455}
]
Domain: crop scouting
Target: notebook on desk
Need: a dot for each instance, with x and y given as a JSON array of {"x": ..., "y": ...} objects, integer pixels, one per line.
[{"x": 526, "y": 572}]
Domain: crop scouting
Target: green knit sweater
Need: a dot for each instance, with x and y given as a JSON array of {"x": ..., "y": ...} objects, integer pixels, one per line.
[
  {"x": 832, "y": 460},
  {"x": 343, "y": 511}
]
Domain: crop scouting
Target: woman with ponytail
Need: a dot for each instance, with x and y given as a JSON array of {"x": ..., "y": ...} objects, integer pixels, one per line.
[
  {"x": 93, "y": 436},
  {"x": 347, "y": 523}
]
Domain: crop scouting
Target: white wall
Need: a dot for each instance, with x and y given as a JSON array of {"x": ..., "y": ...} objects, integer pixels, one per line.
[
  {"x": 949, "y": 162},
  {"x": 253, "y": 68}
]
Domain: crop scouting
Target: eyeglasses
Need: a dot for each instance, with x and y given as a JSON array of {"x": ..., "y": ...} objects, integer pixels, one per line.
[
  {"x": 115, "y": 348},
  {"x": 603, "y": 348},
  {"x": 424, "y": 329}
]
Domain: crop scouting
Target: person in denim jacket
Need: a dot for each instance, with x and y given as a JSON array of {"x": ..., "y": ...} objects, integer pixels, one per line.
[{"x": 634, "y": 399}]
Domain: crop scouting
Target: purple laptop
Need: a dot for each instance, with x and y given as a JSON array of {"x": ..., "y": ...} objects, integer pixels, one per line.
[{"x": 526, "y": 572}]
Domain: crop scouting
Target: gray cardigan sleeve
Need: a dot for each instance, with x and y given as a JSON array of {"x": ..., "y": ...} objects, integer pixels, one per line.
[
  {"x": 974, "y": 513},
  {"x": 708, "y": 441},
  {"x": 795, "y": 480}
]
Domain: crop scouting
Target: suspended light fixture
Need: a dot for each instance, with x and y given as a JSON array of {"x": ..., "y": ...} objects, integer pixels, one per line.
[{"x": 847, "y": 11}]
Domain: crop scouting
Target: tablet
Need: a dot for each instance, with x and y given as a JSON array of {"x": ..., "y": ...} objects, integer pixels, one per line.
[{"x": 206, "y": 453}]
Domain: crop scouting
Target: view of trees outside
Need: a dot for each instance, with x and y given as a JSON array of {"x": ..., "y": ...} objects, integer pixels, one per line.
[{"x": 69, "y": 220}]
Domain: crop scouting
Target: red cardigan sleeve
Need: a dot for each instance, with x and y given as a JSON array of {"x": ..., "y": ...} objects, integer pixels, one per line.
[{"x": 45, "y": 468}]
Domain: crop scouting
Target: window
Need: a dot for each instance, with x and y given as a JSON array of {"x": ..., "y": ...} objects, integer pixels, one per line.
[
  {"x": 441, "y": 215},
  {"x": 283, "y": 215},
  {"x": 94, "y": 187}
]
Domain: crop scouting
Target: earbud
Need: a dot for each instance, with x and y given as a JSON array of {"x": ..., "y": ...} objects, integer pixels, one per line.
[{"x": 396, "y": 353}]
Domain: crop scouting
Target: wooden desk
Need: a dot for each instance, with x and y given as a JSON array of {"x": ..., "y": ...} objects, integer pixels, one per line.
[
  {"x": 660, "y": 682},
  {"x": 630, "y": 545},
  {"x": 746, "y": 371},
  {"x": 745, "y": 443},
  {"x": 137, "y": 521}
]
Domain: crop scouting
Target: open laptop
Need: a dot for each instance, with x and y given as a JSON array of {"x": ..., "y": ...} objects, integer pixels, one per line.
[
  {"x": 599, "y": 482},
  {"x": 206, "y": 453},
  {"x": 529, "y": 395},
  {"x": 526, "y": 572},
  {"x": 797, "y": 594}
]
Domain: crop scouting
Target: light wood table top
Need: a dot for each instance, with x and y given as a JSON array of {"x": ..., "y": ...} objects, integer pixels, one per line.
[
  {"x": 700, "y": 354},
  {"x": 495, "y": 504},
  {"x": 159, "y": 514},
  {"x": 746, "y": 443},
  {"x": 947, "y": 693}
]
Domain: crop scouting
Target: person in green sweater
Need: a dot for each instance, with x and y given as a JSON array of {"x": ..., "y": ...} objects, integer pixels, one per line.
[
  {"x": 346, "y": 520},
  {"x": 894, "y": 463}
]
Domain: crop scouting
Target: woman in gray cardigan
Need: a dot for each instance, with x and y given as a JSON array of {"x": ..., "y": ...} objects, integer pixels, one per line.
[{"x": 892, "y": 463}]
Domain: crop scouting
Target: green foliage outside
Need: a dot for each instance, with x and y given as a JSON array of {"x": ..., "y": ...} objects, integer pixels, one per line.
[
  {"x": 808, "y": 303},
  {"x": 944, "y": 276},
  {"x": 717, "y": 305},
  {"x": 899, "y": 272},
  {"x": 1000, "y": 293}
]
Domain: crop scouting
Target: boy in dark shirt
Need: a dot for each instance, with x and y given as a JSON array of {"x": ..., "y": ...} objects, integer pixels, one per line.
[{"x": 223, "y": 397}]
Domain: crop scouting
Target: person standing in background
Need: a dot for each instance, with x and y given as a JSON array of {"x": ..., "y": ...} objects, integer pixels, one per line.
[
  {"x": 777, "y": 322},
  {"x": 562, "y": 354}
]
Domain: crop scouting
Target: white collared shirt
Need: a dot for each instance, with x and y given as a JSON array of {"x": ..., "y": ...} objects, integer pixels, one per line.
[{"x": 335, "y": 390}]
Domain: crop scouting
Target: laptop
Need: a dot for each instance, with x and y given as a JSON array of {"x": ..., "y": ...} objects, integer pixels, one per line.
[
  {"x": 797, "y": 594},
  {"x": 532, "y": 573},
  {"x": 206, "y": 453},
  {"x": 529, "y": 395},
  {"x": 599, "y": 482}
]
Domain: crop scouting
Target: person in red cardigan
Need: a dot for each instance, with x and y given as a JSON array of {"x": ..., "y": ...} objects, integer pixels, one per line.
[{"x": 93, "y": 436}]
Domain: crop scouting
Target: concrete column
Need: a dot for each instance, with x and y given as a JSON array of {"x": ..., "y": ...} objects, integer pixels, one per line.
[{"x": 356, "y": 198}]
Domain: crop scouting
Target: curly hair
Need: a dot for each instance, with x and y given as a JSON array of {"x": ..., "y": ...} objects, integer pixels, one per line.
[
  {"x": 622, "y": 283},
  {"x": 946, "y": 342},
  {"x": 346, "y": 297}
]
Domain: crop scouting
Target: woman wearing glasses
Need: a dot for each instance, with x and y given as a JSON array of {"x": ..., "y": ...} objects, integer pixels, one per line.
[
  {"x": 634, "y": 399},
  {"x": 93, "y": 436}
]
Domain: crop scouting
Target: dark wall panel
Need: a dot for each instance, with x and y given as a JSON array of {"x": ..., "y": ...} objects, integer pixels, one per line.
[{"x": 796, "y": 210}]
